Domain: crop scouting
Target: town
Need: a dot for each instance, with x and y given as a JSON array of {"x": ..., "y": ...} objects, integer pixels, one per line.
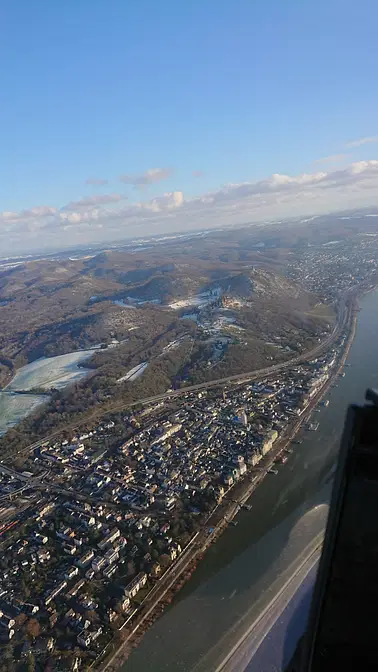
[
  {"x": 94, "y": 520},
  {"x": 98, "y": 523}
]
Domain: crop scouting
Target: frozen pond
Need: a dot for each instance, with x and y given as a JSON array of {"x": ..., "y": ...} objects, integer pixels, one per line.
[
  {"x": 51, "y": 371},
  {"x": 44, "y": 373},
  {"x": 15, "y": 407}
]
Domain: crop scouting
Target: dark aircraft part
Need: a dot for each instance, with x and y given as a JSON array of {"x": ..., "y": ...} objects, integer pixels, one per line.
[{"x": 342, "y": 632}]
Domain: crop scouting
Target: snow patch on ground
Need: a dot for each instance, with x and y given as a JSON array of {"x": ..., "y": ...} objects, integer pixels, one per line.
[
  {"x": 141, "y": 302},
  {"x": 223, "y": 322},
  {"x": 134, "y": 303},
  {"x": 134, "y": 373},
  {"x": 199, "y": 300},
  {"x": 236, "y": 326},
  {"x": 174, "y": 344}
]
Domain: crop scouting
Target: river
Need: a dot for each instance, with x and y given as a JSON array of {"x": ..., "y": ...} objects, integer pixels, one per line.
[
  {"x": 241, "y": 572},
  {"x": 45, "y": 373}
]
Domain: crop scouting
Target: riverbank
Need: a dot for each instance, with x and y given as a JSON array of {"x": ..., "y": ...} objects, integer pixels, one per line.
[
  {"x": 283, "y": 442},
  {"x": 241, "y": 492},
  {"x": 224, "y": 513}
]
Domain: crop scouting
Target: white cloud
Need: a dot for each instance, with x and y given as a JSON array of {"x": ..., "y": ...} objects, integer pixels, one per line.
[
  {"x": 151, "y": 176},
  {"x": 362, "y": 141},
  {"x": 278, "y": 196},
  {"x": 275, "y": 183},
  {"x": 37, "y": 211},
  {"x": 299, "y": 184},
  {"x": 166, "y": 202}
]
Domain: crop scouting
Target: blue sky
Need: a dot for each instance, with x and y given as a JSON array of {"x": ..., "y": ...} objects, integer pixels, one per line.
[{"x": 236, "y": 90}]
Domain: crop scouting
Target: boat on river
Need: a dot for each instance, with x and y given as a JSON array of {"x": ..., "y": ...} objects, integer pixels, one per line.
[{"x": 273, "y": 471}]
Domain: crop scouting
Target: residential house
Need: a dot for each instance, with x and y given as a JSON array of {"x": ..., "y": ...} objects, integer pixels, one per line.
[{"x": 135, "y": 585}]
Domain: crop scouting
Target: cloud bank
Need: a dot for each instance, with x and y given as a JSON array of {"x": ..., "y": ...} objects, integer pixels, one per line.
[{"x": 108, "y": 217}]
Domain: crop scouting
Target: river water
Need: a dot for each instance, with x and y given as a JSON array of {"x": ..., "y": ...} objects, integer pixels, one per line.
[
  {"x": 45, "y": 373},
  {"x": 241, "y": 572}
]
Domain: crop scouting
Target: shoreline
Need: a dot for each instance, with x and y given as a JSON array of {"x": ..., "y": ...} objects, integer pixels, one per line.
[
  {"x": 224, "y": 513},
  {"x": 292, "y": 431}
]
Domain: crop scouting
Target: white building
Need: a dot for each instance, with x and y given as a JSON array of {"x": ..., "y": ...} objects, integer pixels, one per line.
[
  {"x": 86, "y": 559},
  {"x": 135, "y": 585},
  {"x": 98, "y": 563}
]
